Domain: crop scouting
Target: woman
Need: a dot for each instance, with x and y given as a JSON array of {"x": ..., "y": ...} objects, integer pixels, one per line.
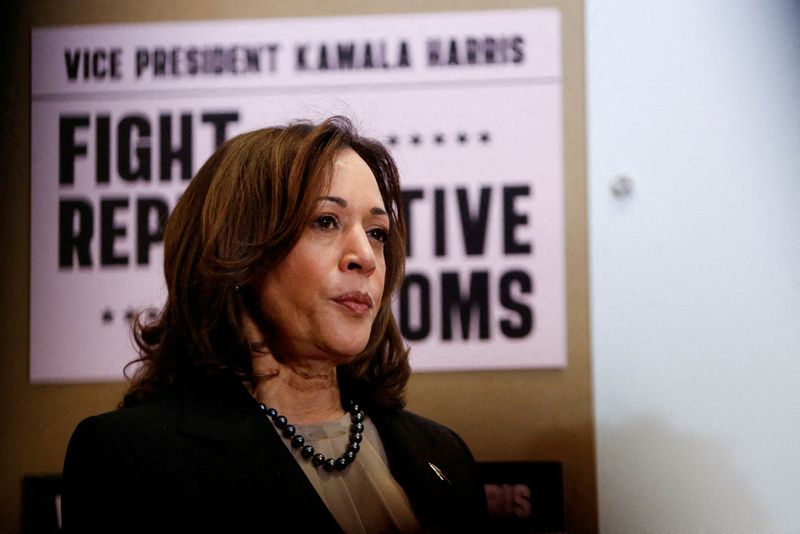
[{"x": 270, "y": 389}]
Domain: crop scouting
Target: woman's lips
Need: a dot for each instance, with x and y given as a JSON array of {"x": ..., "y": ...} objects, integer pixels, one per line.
[{"x": 355, "y": 301}]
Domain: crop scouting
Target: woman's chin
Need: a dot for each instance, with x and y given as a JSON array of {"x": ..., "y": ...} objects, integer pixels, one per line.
[{"x": 342, "y": 354}]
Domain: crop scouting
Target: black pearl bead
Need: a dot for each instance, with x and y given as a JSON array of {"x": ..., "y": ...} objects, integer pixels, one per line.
[{"x": 357, "y": 418}]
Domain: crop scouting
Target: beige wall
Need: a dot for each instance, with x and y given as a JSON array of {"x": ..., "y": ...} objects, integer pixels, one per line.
[{"x": 510, "y": 415}]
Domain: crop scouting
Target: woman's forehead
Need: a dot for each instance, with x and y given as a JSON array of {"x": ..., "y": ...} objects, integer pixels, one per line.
[{"x": 352, "y": 177}]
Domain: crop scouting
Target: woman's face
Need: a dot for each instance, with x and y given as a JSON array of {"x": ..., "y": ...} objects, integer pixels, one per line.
[{"x": 324, "y": 296}]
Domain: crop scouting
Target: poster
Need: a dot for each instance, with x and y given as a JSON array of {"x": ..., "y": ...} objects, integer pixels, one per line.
[{"x": 470, "y": 104}]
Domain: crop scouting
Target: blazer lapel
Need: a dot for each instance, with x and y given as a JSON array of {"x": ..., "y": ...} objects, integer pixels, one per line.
[
  {"x": 249, "y": 453},
  {"x": 418, "y": 463}
]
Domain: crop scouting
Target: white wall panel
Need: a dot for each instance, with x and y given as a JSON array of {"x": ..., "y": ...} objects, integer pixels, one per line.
[{"x": 695, "y": 276}]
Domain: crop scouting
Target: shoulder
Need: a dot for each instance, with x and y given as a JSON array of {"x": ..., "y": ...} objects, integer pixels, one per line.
[
  {"x": 122, "y": 423},
  {"x": 423, "y": 430},
  {"x": 102, "y": 466},
  {"x": 124, "y": 441}
]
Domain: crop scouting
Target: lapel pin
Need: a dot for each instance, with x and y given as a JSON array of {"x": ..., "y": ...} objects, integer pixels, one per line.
[{"x": 439, "y": 473}]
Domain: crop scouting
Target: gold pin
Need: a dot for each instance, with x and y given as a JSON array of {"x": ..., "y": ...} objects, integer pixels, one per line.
[{"x": 439, "y": 473}]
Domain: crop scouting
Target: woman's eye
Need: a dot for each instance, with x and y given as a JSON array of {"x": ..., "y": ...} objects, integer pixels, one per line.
[
  {"x": 378, "y": 234},
  {"x": 326, "y": 222}
]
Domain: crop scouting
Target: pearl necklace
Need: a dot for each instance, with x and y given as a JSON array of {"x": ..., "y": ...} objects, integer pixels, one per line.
[{"x": 307, "y": 451}]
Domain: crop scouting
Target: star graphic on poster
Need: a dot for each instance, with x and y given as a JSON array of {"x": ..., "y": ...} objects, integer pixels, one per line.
[
  {"x": 485, "y": 137},
  {"x": 108, "y": 315},
  {"x": 462, "y": 137},
  {"x": 391, "y": 140},
  {"x": 438, "y": 138},
  {"x": 129, "y": 315},
  {"x": 416, "y": 139}
]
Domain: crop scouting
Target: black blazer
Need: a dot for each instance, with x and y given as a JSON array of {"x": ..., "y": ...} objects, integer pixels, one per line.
[{"x": 204, "y": 458}]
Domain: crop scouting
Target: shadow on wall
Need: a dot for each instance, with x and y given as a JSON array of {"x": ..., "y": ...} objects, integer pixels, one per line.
[{"x": 660, "y": 470}]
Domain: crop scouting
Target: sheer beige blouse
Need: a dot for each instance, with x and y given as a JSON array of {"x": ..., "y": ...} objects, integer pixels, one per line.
[{"x": 364, "y": 498}]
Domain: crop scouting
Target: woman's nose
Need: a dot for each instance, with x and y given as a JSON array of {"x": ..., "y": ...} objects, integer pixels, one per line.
[{"x": 358, "y": 254}]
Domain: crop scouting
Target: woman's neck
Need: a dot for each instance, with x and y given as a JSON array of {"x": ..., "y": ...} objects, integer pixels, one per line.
[{"x": 304, "y": 392}]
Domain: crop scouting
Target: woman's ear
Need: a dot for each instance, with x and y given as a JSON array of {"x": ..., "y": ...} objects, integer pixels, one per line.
[
  {"x": 253, "y": 333},
  {"x": 253, "y": 322},
  {"x": 264, "y": 363}
]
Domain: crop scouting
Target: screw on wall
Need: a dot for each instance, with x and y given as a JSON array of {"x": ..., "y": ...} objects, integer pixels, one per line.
[{"x": 622, "y": 186}]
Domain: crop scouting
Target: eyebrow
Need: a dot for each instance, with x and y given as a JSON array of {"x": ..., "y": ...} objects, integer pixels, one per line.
[{"x": 339, "y": 201}]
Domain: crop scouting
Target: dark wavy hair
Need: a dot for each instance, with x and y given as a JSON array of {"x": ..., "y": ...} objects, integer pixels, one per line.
[{"x": 239, "y": 217}]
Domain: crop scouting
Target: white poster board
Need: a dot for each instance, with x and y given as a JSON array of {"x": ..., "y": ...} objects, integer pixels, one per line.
[{"x": 470, "y": 103}]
